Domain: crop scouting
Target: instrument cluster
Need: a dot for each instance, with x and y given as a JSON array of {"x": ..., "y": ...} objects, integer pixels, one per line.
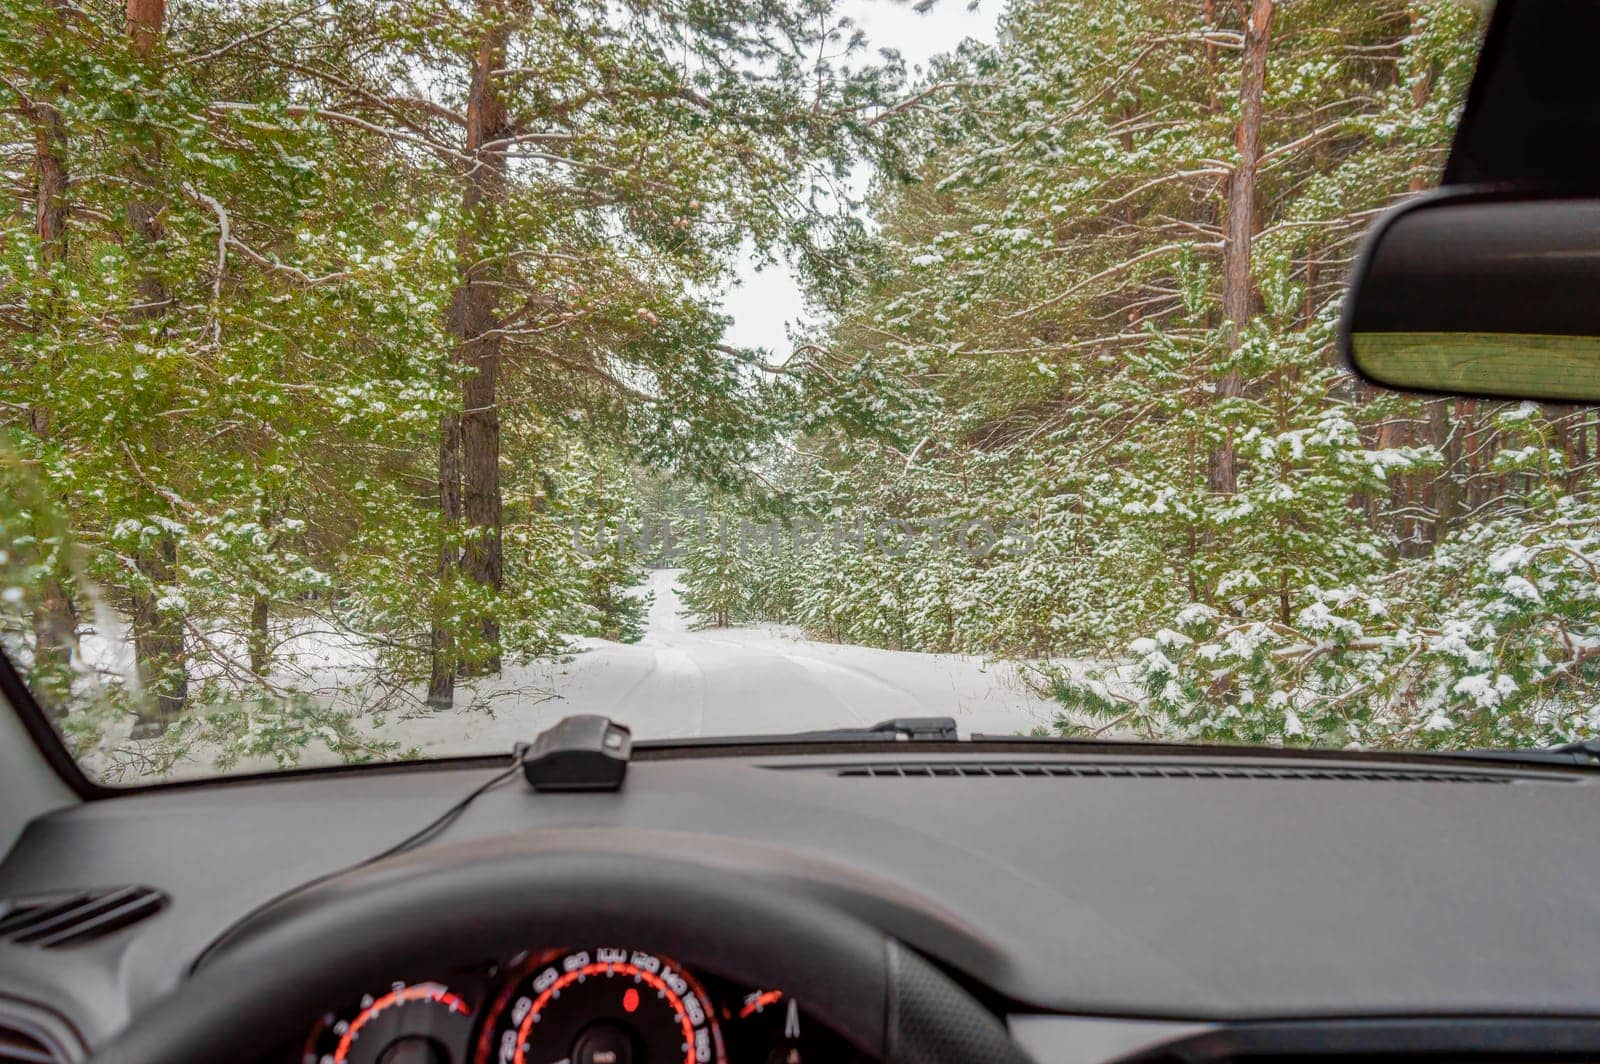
[{"x": 595, "y": 1005}]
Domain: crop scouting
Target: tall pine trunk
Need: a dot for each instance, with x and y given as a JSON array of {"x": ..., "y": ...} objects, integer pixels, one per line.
[
  {"x": 469, "y": 454},
  {"x": 259, "y": 640},
  {"x": 54, "y": 620},
  {"x": 1443, "y": 434},
  {"x": 1238, "y": 286},
  {"x": 442, "y": 644},
  {"x": 158, "y": 644},
  {"x": 158, "y": 637}
]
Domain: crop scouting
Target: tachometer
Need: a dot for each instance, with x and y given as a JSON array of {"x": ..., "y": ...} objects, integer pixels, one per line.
[
  {"x": 601, "y": 1006},
  {"x": 407, "y": 1024}
]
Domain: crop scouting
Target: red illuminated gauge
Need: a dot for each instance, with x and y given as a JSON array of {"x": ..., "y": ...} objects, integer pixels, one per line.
[
  {"x": 601, "y": 1006},
  {"x": 409, "y": 1024},
  {"x": 758, "y": 1001}
]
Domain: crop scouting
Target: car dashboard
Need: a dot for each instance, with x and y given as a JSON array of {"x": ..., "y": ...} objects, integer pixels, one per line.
[{"x": 1105, "y": 904}]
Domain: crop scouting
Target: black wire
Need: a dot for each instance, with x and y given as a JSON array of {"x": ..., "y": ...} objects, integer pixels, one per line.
[
  {"x": 415, "y": 839},
  {"x": 446, "y": 818}
]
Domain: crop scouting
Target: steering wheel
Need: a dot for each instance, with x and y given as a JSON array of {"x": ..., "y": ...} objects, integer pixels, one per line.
[{"x": 409, "y": 916}]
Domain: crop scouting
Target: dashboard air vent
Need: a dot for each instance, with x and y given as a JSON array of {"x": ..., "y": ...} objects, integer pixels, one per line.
[
  {"x": 32, "y": 1034},
  {"x": 20, "y": 1047},
  {"x": 70, "y": 917},
  {"x": 1090, "y": 770}
]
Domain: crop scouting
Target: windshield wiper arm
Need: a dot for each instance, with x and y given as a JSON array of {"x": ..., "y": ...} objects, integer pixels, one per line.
[
  {"x": 1590, "y": 748},
  {"x": 1584, "y": 752},
  {"x": 895, "y": 729},
  {"x": 930, "y": 729}
]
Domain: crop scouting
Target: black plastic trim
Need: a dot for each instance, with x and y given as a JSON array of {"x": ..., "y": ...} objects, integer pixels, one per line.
[
  {"x": 1517, "y": 124},
  {"x": 782, "y": 746},
  {"x": 44, "y": 736},
  {"x": 1490, "y": 49}
]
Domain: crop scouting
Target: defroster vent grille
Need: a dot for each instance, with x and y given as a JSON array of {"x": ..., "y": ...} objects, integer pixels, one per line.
[{"x": 1100, "y": 770}]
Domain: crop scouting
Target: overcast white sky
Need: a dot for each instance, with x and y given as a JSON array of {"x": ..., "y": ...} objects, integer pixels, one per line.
[{"x": 765, "y": 301}]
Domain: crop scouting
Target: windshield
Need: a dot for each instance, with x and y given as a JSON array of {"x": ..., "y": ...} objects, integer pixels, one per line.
[{"x": 388, "y": 380}]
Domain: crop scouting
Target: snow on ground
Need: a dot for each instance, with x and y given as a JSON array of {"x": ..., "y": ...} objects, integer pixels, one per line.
[
  {"x": 677, "y": 681},
  {"x": 681, "y": 681}
]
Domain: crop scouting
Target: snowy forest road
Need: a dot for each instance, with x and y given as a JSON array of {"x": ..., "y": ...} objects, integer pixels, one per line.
[{"x": 682, "y": 681}]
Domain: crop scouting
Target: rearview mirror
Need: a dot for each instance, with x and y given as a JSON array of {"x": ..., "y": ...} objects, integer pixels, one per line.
[{"x": 1490, "y": 294}]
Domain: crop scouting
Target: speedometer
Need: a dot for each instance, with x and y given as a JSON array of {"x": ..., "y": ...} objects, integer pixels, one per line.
[
  {"x": 413, "y": 1024},
  {"x": 605, "y": 1005}
]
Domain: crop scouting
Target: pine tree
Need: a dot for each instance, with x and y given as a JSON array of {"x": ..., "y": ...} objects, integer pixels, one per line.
[{"x": 713, "y": 550}]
